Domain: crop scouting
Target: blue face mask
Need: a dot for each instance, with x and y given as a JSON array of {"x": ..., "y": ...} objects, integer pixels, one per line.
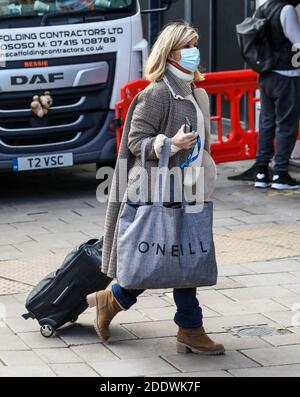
[{"x": 190, "y": 58}]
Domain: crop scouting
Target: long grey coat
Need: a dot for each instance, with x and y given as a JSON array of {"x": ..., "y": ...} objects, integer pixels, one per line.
[{"x": 159, "y": 109}]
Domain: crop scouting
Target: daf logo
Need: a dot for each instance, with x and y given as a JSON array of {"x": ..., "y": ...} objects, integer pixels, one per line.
[{"x": 36, "y": 79}]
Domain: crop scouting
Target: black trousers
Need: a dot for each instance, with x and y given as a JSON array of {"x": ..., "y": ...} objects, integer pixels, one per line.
[{"x": 279, "y": 118}]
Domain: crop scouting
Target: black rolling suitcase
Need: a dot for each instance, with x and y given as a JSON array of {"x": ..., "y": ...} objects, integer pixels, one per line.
[{"x": 61, "y": 296}]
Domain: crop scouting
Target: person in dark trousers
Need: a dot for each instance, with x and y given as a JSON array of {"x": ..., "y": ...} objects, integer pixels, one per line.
[{"x": 280, "y": 98}]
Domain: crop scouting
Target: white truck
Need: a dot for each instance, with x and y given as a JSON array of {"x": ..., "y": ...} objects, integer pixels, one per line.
[{"x": 82, "y": 51}]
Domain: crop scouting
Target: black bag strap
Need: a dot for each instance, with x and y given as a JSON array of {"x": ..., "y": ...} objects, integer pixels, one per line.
[{"x": 264, "y": 7}]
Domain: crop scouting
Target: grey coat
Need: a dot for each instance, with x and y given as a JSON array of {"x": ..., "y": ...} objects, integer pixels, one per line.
[{"x": 159, "y": 109}]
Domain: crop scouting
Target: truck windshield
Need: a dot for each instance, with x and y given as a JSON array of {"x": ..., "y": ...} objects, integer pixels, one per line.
[{"x": 15, "y": 8}]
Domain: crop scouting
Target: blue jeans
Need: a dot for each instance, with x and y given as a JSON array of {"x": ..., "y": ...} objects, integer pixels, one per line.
[{"x": 188, "y": 315}]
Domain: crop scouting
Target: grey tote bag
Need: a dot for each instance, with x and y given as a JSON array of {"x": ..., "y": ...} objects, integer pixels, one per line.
[{"x": 165, "y": 247}]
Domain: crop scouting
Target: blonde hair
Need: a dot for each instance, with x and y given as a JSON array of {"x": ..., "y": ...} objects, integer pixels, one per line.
[{"x": 174, "y": 36}]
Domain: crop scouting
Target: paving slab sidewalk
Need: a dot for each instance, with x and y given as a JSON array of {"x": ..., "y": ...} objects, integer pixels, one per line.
[{"x": 254, "y": 309}]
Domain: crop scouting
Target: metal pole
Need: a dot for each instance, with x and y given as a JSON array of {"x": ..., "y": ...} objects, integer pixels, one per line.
[
  {"x": 211, "y": 38},
  {"x": 149, "y": 23},
  {"x": 154, "y": 21},
  {"x": 188, "y": 6},
  {"x": 248, "y": 6}
]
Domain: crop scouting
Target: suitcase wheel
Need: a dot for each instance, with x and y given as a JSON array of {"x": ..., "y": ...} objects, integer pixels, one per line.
[{"x": 47, "y": 330}]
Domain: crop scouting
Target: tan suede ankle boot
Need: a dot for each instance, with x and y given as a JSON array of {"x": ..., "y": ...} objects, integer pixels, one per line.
[
  {"x": 106, "y": 309},
  {"x": 196, "y": 340}
]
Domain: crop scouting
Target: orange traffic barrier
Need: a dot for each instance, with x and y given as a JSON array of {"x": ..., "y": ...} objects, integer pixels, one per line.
[{"x": 230, "y": 90}]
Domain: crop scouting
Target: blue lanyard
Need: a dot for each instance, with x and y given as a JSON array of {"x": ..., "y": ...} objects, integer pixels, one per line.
[{"x": 190, "y": 157}]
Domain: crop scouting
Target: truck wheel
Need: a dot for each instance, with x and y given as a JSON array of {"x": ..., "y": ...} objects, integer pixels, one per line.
[{"x": 47, "y": 330}]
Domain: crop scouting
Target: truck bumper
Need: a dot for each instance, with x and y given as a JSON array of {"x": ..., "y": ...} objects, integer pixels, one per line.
[{"x": 101, "y": 148}]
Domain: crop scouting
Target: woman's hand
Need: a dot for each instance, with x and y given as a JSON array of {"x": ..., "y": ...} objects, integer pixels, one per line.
[{"x": 184, "y": 140}]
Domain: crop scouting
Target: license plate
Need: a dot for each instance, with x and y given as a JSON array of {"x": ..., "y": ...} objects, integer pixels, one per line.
[{"x": 42, "y": 162}]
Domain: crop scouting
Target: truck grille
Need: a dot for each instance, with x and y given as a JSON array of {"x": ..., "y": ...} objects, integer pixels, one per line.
[
  {"x": 39, "y": 140},
  {"x": 75, "y": 118},
  {"x": 23, "y": 104},
  {"x": 36, "y": 124}
]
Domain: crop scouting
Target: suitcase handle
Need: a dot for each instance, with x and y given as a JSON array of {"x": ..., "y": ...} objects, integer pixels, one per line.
[{"x": 62, "y": 295}]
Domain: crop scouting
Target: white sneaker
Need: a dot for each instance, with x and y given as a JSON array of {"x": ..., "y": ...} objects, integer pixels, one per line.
[
  {"x": 262, "y": 180},
  {"x": 285, "y": 182}
]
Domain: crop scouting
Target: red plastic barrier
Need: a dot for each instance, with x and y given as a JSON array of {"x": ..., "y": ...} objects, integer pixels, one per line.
[
  {"x": 232, "y": 86},
  {"x": 128, "y": 92}
]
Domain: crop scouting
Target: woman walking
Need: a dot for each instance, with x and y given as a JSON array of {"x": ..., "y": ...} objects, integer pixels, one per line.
[{"x": 156, "y": 114}]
